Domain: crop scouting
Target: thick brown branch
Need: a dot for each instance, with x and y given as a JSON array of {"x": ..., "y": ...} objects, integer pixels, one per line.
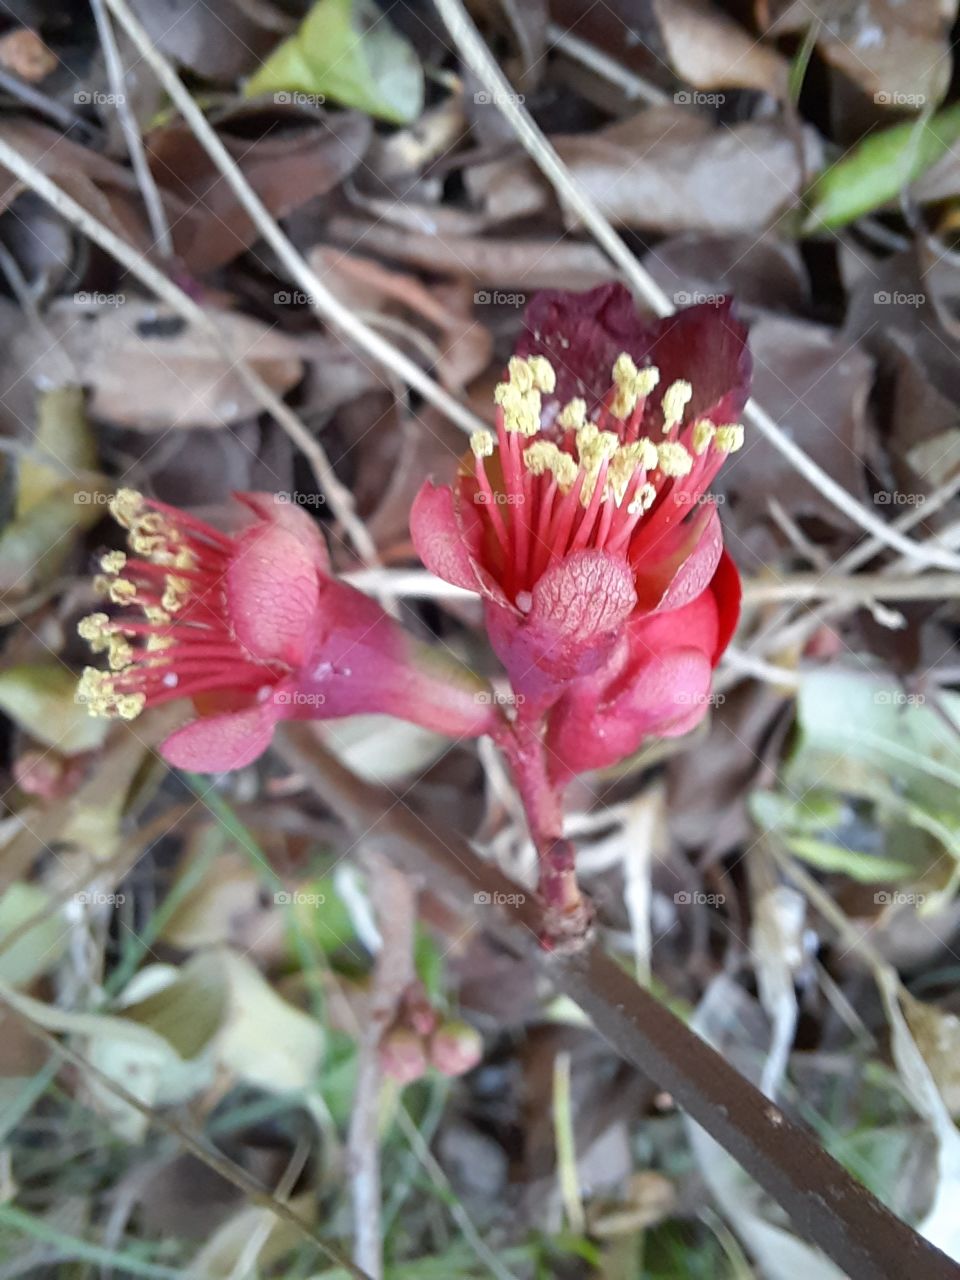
[{"x": 827, "y": 1205}]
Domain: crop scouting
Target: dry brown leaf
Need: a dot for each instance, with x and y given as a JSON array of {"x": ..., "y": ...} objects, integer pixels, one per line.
[
  {"x": 666, "y": 169},
  {"x": 289, "y": 156},
  {"x": 147, "y": 368},
  {"x": 24, "y": 53},
  {"x": 708, "y": 50}
]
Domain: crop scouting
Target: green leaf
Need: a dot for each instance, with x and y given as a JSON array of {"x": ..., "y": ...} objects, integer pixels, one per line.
[
  {"x": 878, "y": 169},
  {"x": 41, "y": 699},
  {"x": 345, "y": 50}
]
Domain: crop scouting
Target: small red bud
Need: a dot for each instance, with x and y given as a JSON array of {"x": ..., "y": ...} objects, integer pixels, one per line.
[
  {"x": 455, "y": 1048},
  {"x": 403, "y": 1055}
]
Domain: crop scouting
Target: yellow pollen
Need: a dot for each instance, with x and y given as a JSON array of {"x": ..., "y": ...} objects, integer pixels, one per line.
[
  {"x": 121, "y": 591},
  {"x": 544, "y": 374},
  {"x": 120, "y": 653},
  {"x": 129, "y": 705},
  {"x": 481, "y": 442},
  {"x": 632, "y": 385},
  {"x": 156, "y": 643},
  {"x": 113, "y": 562},
  {"x": 674, "y": 459},
  {"x": 94, "y": 628},
  {"x": 521, "y": 409},
  {"x": 703, "y": 433},
  {"x": 573, "y": 415},
  {"x": 729, "y": 438},
  {"x": 521, "y": 375},
  {"x": 126, "y": 505},
  {"x": 176, "y": 592},
  {"x": 675, "y": 400},
  {"x": 543, "y": 457},
  {"x": 156, "y": 615}
]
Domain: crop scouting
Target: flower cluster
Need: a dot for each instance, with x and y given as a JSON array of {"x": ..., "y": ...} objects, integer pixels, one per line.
[
  {"x": 581, "y": 521},
  {"x": 253, "y": 629}
]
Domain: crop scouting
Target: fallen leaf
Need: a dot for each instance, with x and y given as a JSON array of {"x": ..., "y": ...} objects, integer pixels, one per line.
[
  {"x": 708, "y": 50},
  {"x": 347, "y": 51},
  {"x": 41, "y": 699}
]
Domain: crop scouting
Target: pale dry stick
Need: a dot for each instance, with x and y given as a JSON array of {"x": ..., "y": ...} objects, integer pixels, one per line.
[
  {"x": 395, "y": 903},
  {"x": 337, "y": 495},
  {"x": 857, "y": 589},
  {"x": 131, "y": 133},
  {"x": 594, "y": 59},
  {"x": 322, "y": 300},
  {"x": 481, "y": 62}
]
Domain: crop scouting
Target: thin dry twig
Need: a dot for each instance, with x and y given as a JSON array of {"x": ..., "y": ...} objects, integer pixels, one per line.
[
  {"x": 138, "y": 156},
  {"x": 481, "y": 62},
  {"x": 326, "y": 303}
]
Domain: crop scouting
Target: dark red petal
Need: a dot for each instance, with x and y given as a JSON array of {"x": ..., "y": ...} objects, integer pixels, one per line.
[
  {"x": 583, "y": 333},
  {"x": 217, "y": 744},
  {"x": 680, "y": 564},
  {"x": 727, "y": 592},
  {"x": 707, "y": 346}
]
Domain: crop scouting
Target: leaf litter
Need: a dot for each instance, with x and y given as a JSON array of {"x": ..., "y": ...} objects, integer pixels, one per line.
[{"x": 204, "y": 946}]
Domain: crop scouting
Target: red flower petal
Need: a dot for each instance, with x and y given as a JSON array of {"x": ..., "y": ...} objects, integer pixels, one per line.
[
  {"x": 440, "y": 539},
  {"x": 272, "y": 593},
  {"x": 216, "y": 744}
]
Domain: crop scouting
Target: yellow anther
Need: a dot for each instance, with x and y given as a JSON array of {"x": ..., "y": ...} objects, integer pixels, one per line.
[
  {"x": 543, "y": 457},
  {"x": 120, "y": 652},
  {"x": 94, "y": 629},
  {"x": 129, "y": 705},
  {"x": 624, "y": 370},
  {"x": 647, "y": 379},
  {"x": 156, "y": 643},
  {"x": 573, "y": 415},
  {"x": 703, "y": 433},
  {"x": 543, "y": 372},
  {"x": 481, "y": 442},
  {"x": 521, "y": 409},
  {"x": 113, "y": 562},
  {"x": 121, "y": 591},
  {"x": 729, "y": 438},
  {"x": 675, "y": 400},
  {"x": 126, "y": 505},
  {"x": 521, "y": 374},
  {"x": 156, "y": 615},
  {"x": 176, "y": 592},
  {"x": 674, "y": 459}
]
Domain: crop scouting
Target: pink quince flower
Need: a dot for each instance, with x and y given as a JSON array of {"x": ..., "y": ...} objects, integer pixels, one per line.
[
  {"x": 583, "y": 522},
  {"x": 254, "y": 629}
]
